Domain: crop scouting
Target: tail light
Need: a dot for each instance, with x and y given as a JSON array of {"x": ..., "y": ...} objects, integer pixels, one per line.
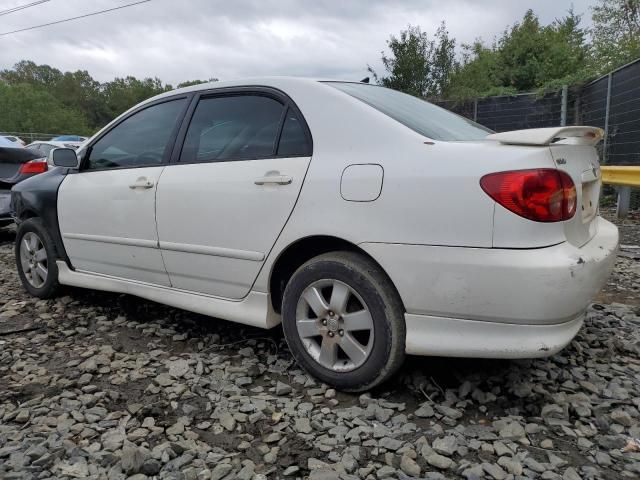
[
  {"x": 34, "y": 166},
  {"x": 542, "y": 195}
]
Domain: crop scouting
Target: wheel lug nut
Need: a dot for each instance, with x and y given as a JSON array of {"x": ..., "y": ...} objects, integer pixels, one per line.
[
  {"x": 331, "y": 314},
  {"x": 324, "y": 322},
  {"x": 331, "y": 334},
  {"x": 341, "y": 332}
]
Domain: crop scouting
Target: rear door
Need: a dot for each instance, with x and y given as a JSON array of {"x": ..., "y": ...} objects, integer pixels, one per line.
[
  {"x": 107, "y": 210},
  {"x": 234, "y": 183}
]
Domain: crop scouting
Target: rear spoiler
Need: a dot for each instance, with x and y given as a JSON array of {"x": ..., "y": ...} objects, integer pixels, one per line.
[{"x": 549, "y": 136}]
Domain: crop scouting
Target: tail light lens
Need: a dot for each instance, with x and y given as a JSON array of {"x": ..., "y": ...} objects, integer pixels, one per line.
[
  {"x": 34, "y": 166},
  {"x": 542, "y": 195}
]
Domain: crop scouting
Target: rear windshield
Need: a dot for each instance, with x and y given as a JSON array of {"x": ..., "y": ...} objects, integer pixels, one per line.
[{"x": 419, "y": 115}]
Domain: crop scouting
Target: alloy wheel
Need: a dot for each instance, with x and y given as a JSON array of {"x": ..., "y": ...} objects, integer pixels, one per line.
[
  {"x": 34, "y": 260},
  {"x": 335, "y": 325}
]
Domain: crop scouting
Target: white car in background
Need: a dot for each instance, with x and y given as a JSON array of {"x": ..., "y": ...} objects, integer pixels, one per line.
[
  {"x": 14, "y": 139},
  {"x": 369, "y": 222},
  {"x": 45, "y": 147}
]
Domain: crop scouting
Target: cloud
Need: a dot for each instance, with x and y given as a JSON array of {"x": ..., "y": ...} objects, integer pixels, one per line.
[{"x": 178, "y": 41}]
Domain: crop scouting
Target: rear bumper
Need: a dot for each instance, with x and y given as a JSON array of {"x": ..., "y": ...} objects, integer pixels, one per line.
[
  {"x": 527, "y": 287},
  {"x": 5, "y": 207},
  {"x": 454, "y": 337}
]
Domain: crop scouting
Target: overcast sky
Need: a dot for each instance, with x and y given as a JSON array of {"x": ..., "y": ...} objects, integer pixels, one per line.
[{"x": 188, "y": 39}]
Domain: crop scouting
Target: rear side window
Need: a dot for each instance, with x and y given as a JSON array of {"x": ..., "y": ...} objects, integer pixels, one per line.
[
  {"x": 140, "y": 140},
  {"x": 419, "y": 115},
  {"x": 235, "y": 127},
  {"x": 293, "y": 140}
]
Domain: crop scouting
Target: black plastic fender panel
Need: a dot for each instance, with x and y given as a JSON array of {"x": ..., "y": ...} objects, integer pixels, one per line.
[{"x": 38, "y": 197}]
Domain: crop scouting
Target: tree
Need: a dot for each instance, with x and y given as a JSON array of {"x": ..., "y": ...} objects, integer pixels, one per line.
[
  {"x": 418, "y": 65},
  {"x": 195, "y": 82},
  {"x": 616, "y": 33},
  {"x": 24, "y": 108},
  {"x": 477, "y": 74},
  {"x": 27, "y": 71},
  {"x": 79, "y": 90},
  {"x": 527, "y": 56},
  {"x": 43, "y": 98},
  {"x": 532, "y": 55},
  {"x": 443, "y": 61},
  {"x": 123, "y": 93}
]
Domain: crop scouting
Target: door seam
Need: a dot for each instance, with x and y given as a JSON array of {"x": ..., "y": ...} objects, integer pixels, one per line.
[
  {"x": 155, "y": 218},
  {"x": 286, "y": 222}
]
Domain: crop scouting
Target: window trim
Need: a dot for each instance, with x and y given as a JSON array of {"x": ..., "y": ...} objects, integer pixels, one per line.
[
  {"x": 305, "y": 129},
  {"x": 269, "y": 92},
  {"x": 166, "y": 157}
]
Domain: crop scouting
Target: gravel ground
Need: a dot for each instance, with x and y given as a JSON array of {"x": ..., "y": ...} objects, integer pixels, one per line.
[{"x": 98, "y": 385}]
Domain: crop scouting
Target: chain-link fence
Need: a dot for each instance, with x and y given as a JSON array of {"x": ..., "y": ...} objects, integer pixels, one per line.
[
  {"x": 516, "y": 112},
  {"x": 29, "y": 137},
  {"x": 611, "y": 102}
]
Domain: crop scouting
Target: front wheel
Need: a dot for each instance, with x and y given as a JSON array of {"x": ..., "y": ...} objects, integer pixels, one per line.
[
  {"x": 36, "y": 259},
  {"x": 343, "y": 321}
]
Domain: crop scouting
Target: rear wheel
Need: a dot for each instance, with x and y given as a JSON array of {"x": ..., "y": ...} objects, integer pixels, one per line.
[
  {"x": 36, "y": 259},
  {"x": 344, "y": 321}
]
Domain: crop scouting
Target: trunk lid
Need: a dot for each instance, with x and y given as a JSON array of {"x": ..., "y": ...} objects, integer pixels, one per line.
[
  {"x": 573, "y": 151},
  {"x": 11, "y": 158},
  {"x": 581, "y": 163}
]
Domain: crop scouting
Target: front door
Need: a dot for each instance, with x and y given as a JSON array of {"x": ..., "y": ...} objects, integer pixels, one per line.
[
  {"x": 107, "y": 210},
  {"x": 222, "y": 205}
]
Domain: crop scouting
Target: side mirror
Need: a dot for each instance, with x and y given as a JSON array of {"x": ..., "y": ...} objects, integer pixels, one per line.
[{"x": 63, "y": 157}]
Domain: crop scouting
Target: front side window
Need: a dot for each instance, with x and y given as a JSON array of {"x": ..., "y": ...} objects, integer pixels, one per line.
[
  {"x": 419, "y": 115},
  {"x": 140, "y": 140},
  {"x": 236, "y": 127}
]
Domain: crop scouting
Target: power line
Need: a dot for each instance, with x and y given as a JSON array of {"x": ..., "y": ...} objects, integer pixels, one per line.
[
  {"x": 74, "y": 18},
  {"x": 22, "y": 7}
]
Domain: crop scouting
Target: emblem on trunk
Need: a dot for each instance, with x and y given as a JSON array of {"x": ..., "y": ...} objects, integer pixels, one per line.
[{"x": 561, "y": 161}]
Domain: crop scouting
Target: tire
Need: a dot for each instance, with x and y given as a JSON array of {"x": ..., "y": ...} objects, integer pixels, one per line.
[
  {"x": 370, "y": 291},
  {"x": 39, "y": 287}
]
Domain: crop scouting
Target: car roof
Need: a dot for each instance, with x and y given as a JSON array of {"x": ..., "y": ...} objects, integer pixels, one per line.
[
  {"x": 279, "y": 82},
  {"x": 274, "y": 81}
]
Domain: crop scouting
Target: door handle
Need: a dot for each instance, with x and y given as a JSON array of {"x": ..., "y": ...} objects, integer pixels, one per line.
[
  {"x": 141, "y": 182},
  {"x": 274, "y": 180}
]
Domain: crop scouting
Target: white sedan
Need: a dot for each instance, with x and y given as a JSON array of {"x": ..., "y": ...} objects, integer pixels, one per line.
[
  {"x": 370, "y": 223},
  {"x": 14, "y": 139}
]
